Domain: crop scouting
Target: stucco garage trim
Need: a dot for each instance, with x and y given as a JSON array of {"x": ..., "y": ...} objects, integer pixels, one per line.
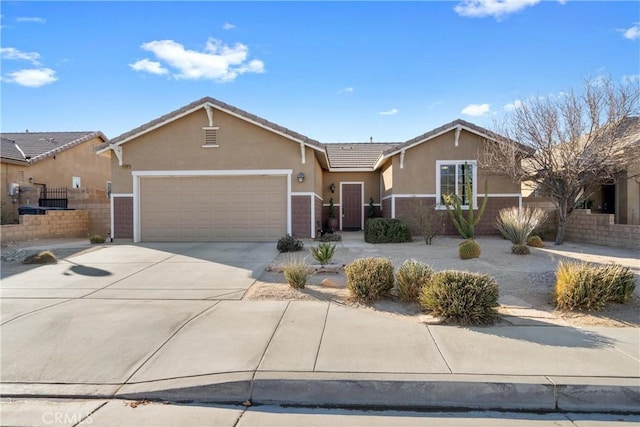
[{"x": 138, "y": 175}]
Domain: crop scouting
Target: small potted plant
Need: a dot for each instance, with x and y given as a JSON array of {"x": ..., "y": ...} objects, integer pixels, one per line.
[{"x": 334, "y": 225}]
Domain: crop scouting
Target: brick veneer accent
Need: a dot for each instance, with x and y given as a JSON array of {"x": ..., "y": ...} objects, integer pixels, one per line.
[
  {"x": 320, "y": 221},
  {"x": 123, "y": 217},
  {"x": 486, "y": 225},
  {"x": 52, "y": 225},
  {"x": 386, "y": 208},
  {"x": 600, "y": 229},
  {"x": 301, "y": 216}
]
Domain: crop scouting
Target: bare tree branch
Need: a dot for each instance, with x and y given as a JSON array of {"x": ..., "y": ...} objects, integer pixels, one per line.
[{"x": 569, "y": 144}]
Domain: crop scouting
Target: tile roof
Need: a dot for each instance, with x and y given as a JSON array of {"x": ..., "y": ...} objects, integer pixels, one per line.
[
  {"x": 358, "y": 155},
  {"x": 36, "y": 146},
  {"x": 10, "y": 151},
  {"x": 215, "y": 103}
]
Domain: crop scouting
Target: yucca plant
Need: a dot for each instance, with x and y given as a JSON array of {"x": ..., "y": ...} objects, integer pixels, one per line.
[
  {"x": 323, "y": 253},
  {"x": 454, "y": 204},
  {"x": 297, "y": 272},
  {"x": 517, "y": 224}
]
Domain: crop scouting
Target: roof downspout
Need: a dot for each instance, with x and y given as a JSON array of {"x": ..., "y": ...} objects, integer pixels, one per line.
[
  {"x": 402, "y": 159},
  {"x": 458, "y": 129},
  {"x": 302, "y": 153}
]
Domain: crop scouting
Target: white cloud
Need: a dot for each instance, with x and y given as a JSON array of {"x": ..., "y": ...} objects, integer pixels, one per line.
[
  {"x": 149, "y": 66},
  {"x": 218, "y": 61},
  {"x": 228, "y": 26},
  {"x": 632, "y": 32},
  {"x": 33, "y": 19},
  {"x": 512, "y": 105},
  {"x": 349, "y": 89},
  {"x": 389, "y": 112},
  {"x": 13, "y": 53},
  {"x": 495, "y": 8},
  {"x": 476, "y": 110},
  {"x": 32, "y": 77}
]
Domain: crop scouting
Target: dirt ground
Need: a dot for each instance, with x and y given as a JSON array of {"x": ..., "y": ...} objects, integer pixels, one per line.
[{"x": 526, "y": 282}]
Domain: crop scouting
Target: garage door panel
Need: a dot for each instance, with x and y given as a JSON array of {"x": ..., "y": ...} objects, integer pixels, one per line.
[{"x": 213, "y": 208}]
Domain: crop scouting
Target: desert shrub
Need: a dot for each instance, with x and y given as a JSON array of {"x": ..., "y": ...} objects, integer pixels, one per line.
[
  {"x": 323, "y": 252},
  {"x": 297, "y": 272},
  {"x": 469, "y": 248},
  {"x": 535, "y": 241},
  {"x": 424, "y": 220},
  {"x": 369, "y": 278},
  {"x": 330, "y": 237},
  {"x": 289, "y": 243},
  {"x": 465, "y": 223},
  {"x": 517, "y": 224},
  {"x": 588, "y": 286},
  {"x": 96, "y": 238},
  {"x": 44, "y": 257},
  {"x": 520, "y": 250},
  {"x": 412, "y": 276},
  {"x": 386, "y": 230},
  {"x": 469, "y": 298}
]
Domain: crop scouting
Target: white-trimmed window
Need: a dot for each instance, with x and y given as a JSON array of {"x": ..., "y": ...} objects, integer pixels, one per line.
[
  {"x": 210, "y": 137},
  {"x": 76, "y": 182},
  {"x": 451, "y": 179}
]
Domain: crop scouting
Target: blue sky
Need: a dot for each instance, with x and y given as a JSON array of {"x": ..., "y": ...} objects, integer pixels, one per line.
[{"x": 334, "y": 71}]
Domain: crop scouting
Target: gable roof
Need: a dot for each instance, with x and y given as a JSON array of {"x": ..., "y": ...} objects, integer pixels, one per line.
[
  {"x": 32, "y": 147},
  {"x": 358, "y": 155},
  {"x": 196, "y": 105}
]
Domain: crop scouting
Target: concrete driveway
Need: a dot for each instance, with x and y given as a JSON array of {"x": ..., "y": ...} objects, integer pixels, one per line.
[{"x": 163, "y": 321}]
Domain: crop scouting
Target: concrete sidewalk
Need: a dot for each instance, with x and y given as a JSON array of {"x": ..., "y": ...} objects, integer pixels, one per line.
[{"x": 165, "y": 322}]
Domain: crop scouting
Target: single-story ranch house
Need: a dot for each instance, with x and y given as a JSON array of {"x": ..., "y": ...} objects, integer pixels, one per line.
[{"x": 210, "y": 171}]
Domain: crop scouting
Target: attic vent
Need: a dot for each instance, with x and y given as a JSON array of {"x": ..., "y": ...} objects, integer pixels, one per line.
[
  {"x": 20, "y": 176},
  {"x": 211, "y": 137}
]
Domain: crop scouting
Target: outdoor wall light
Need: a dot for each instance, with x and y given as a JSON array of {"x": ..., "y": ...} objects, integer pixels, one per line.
[
  {"x": 300, "y": 177},
  {"x": 332, "y": 187}
]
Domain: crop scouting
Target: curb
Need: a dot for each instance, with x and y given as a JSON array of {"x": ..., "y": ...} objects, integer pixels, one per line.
[{"x": 380, "y": 391}]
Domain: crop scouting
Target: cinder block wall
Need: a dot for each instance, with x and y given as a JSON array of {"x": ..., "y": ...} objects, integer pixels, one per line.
[
  {"x": 97, "y": 204},
  {"x": 52, "y": 225},
  {"x": 599, "y": 229}
]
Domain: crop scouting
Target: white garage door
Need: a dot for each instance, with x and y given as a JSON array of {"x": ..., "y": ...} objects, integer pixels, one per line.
[{"x": 249, "y": 208}]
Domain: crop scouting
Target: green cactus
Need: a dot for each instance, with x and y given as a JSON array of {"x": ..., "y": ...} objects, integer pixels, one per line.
[{"x": 469, "y": 249}]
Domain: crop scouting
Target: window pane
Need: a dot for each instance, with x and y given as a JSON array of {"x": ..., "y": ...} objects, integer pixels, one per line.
[
  {"x": 465, "y": 175},
  {"x": 447, "y": 181}
]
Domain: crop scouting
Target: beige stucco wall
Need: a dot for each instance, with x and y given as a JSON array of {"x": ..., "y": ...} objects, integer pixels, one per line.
[
  {"x": 242, "y": 146},
  {"x": 418, "y": 175},
  {"x": 629, "y": 196},
  {"x": 386, "y": 174},
  {"x": 371, "y": 182},
  {"x": 82, "y": 161}
]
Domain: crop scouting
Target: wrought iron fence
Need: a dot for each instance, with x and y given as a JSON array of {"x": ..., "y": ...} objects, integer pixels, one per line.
[{"x": 53, "y": 198}]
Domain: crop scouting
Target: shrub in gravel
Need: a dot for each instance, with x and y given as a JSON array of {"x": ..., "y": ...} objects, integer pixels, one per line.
[
  {"x": 386, "y": 230},
  {"x": 96, "y": 238},
  {"x": 520, "y": 250},
  {"x": 588, "y": 286},
  {"x": 369, "y": 278},
  {"x": 289, "y": 243},
  {"x": 535, "y": 241},
  {"x": 323, "y": 253},
  {"x": 468, "y": 249},
  {"x": 469, "y": 298},
  {"x": 44, "y": 257},
  {"x": 297, "y": 273},
  {"x": 411, "y": 277}
]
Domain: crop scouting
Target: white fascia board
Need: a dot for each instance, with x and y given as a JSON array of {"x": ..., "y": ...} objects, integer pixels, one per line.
[
  {"x": 270, "y": 129},
  {"x": 351, "y": 169},
  {"x": 393, "y": 153},
  {"x": 303, "y": 193},
  {"x": 121, "y": 195},
  {"x": 235, "y": 172}
]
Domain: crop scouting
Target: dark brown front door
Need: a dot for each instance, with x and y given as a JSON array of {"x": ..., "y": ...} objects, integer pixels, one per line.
[{"x": 351, "y": 206}]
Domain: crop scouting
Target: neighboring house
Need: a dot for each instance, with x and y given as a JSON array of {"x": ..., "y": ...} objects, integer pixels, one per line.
[
  {"x": 210, "y": 171},
  {"x": 34, "y": 161}
]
